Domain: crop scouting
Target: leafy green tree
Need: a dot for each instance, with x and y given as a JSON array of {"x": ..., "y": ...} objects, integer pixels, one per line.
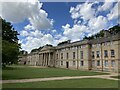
[{"x": 10, "y": 46}]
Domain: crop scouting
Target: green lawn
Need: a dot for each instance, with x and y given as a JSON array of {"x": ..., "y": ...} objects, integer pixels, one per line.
[
  {"x": 73, "y": 83},
  {"x": 25, "y": 72}
]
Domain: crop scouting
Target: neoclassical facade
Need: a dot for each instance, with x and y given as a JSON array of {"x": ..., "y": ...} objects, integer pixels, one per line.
[{"x": 101, "y": 54}]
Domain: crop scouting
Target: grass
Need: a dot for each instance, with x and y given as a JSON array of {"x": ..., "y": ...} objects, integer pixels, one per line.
[
  {"x": 73, "y": 83},
  {"x": 25, "y": 72}
]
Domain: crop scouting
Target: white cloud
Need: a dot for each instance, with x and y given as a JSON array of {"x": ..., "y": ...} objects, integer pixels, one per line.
[
  {"x": 98, "y": 23},
  {"x": 89, "y": 15},
  {"x": 114, "y": 13},
  {"x": 76, "y": 32},
  {"x": 63, "y": 38},
  {"x": 83, "y": 11},
  {"x": 24, "y": 33},
  {"x": 29, "y": 27},
  {"x": 54, "y": 31},
  {"x": 35, "y": 41},
  {"x": 58, "y": 36},
  {"x": 16, "y": 12},
  {"x": 106, "y": 6}
]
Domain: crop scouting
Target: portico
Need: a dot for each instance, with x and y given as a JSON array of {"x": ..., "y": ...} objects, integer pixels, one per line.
[{"x": 46, "y": 56}]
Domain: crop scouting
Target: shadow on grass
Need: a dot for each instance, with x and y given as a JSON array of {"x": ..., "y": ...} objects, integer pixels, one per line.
[
  {"x": 118, "y": 77},
  {"x": 9, "y": 68}
]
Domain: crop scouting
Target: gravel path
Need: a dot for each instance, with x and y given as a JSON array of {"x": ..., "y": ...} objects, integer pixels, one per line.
[{"x": 59, "y": 78}]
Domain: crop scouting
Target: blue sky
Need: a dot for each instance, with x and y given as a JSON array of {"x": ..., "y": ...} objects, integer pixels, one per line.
[{"x": 53, "y": 22}]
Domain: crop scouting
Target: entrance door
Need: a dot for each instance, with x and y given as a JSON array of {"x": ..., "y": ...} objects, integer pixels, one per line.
[{"x": 67, "y": 64}]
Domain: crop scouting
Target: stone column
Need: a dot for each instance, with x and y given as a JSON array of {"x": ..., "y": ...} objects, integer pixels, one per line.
[
  {"x": 45, "y": 60},
  {"x": 49, "y": 60},
  {"x": 42, "y": 59},
  {"x": 39, "y": 59}
]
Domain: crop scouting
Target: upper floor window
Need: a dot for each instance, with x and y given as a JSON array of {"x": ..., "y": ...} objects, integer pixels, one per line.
[
  {"x": 81, "y": 54},
  {"x": 93, "y": 54},
  {"x": 105, "y": 53},
  {"x": 73, "y": 55},
  {"x": 98, "y": 45},
  {"x": 56, "y": 56},
  {"x": 67, "y": 56},
  {"x": 68, "y": 48},
  {"x": 83, "y": 46},
  {"x": 93, "y": 45},
  {"x": 72, "y": 47},
  {"x": 61, "y": 55},
  {"x": 112, "y": 53},
  {"x": 105, "y": 43},
  {"x": 98, "y": 54},
  {"x": 111, "y": 43}
]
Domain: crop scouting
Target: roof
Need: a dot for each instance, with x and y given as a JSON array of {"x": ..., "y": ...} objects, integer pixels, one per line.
[{"x": 46, "y": 47}]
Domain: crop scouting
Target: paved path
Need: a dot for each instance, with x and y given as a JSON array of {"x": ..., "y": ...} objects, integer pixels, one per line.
[{"x": 58, "y": 78}]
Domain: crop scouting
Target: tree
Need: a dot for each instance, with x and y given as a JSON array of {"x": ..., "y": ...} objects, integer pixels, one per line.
[{"x": 10, "y": 46}]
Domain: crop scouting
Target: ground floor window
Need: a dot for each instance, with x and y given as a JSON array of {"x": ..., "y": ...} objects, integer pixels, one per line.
[
  {"x": 73, "y": 63},
  {"x": 82, "y": 63},
  {"x": 93, "y": 62},
  {"x": 106, "y": 63},
  {"x": 61, "y": 63},
  {"x": 112, "y": 63},
  {"x": 56, "y": 62},
  {"x": 98, "y": 63}
]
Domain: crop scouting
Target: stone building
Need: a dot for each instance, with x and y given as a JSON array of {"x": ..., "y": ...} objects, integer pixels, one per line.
[
  {"x": 101, "y": 54},
  {"x": 22, "y": 58}
]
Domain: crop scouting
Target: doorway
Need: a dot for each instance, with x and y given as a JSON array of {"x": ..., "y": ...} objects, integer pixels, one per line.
[{"x": 67, "y": 64}]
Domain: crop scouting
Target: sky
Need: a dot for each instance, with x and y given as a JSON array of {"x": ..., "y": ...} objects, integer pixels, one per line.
[{"x": 41, "y": 23}]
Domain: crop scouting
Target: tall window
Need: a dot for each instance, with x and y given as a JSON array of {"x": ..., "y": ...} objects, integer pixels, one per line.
[
  {"x": 105, "y": 53},
  {"x": 73, "y": 55},
  {"x": 106, "y": 63},
  {"x": 93, "y": 63},
  {"x": 113, "y": 63},
  {"x": 98, "y": 54},
  {"x": 73, "y": 63},
  {"x": 67, "y": 56},
  {"x": 81, "y": 54},
  {"x": 98, "y": 63},
  {"x": 61, "y": 55},
  {"x": 112, "y": 53},
  {"x": 61, "y": 63},
  {"x": 82, "y": 63},
  {"x": 57, "y": 56},
  {"x": 93, "y": 54}
]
